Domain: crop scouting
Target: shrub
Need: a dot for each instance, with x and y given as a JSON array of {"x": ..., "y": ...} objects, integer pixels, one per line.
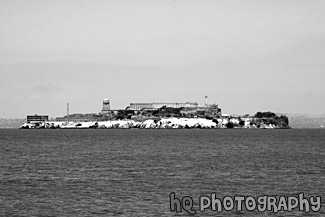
[{"x": 230, "y": 125}]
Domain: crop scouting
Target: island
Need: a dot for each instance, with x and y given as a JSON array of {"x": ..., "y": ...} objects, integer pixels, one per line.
[{"x": 167, "y": 119}]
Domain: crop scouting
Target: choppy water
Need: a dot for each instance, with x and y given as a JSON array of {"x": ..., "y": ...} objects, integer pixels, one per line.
[{"x": 132, "y": 172}]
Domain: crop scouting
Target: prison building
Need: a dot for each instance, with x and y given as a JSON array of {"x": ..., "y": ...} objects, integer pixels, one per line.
[
  {"x": 37, "y": 118},
  {"x": 157, "y": 105}
]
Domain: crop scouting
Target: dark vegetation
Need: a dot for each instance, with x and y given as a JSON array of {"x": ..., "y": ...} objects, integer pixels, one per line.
[{"x": 281, "y": 121}]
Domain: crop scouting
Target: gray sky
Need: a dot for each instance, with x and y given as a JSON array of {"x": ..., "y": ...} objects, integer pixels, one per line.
[{"x": 246, "y": 55}]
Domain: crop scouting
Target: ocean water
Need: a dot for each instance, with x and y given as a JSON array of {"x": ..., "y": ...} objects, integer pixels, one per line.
[{"x": 132, "y": 172}]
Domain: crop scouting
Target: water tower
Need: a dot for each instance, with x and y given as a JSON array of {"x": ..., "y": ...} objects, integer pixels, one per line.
[{"x": 106, "y": 106}]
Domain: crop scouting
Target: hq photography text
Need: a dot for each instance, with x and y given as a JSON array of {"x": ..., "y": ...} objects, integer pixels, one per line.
[{"x": 263, "y": 203}]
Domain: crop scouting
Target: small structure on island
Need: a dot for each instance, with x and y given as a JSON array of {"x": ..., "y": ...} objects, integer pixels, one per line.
[{"x": 106, "y": 106}]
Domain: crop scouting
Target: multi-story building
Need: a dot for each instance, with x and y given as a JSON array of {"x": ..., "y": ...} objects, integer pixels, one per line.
[
  {"x": 37, "y": 118},
  {"x": 157, "y": 105}
]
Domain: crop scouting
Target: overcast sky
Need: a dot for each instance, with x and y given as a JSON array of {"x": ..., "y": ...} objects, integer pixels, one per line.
[{"x": 246, "y": 55}]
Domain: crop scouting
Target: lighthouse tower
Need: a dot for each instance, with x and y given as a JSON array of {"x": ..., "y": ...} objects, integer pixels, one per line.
[{"x": 206, "y": 100}]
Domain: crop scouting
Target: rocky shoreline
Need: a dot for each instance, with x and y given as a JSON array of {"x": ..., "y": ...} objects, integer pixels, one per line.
[{"x": 165, "y": 123}]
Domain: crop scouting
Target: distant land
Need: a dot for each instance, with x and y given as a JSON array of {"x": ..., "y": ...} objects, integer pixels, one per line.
[
  {"x": 11, "y": 122},
  {"x": 306, "y": 120},
  {"x": 295, "y": 121}
]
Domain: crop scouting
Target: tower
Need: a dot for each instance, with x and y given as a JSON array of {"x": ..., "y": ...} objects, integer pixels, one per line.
[
  {"x": 106, "y": 106},
  {"x": 206, "y": 100},
  {"x": 68, "y": 108}
]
